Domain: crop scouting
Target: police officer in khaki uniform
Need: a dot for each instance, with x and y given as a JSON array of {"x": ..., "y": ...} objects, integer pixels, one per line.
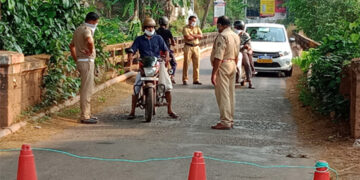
[
  {"x": 224, "y": 57},
  {"x": 82, "y": 49},
  {"x": 192, "y": 35}
]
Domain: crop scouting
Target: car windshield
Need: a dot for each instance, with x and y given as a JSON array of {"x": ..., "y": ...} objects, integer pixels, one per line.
[{"x": 266, "y": 34}]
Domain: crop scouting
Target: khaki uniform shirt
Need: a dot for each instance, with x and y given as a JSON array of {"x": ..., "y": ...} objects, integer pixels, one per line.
[
  {"x": 79, "y": 40},
  {"x": 226, "y": 46},
  {"x": 191, "y": 31}
]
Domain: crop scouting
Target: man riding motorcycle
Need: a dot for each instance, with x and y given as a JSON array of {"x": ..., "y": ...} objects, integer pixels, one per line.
[{"x": 149, "y": 45}]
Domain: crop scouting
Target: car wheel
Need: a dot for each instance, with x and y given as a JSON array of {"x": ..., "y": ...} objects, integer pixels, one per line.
[{"x": 289, "y": 73}]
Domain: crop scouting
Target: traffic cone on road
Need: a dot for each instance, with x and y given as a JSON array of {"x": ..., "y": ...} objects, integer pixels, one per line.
[
  {"x": 26, "y": 166},
  {"x": 322, "y": 171},
  {"x": 197, "y": 167}
]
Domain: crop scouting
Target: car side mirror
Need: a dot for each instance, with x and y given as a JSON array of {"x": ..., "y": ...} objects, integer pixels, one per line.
[{"x": 292, "y": 39}]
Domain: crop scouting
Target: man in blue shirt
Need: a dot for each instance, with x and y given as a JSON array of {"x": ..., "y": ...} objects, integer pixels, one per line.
[{"x": 149, "y": 44}]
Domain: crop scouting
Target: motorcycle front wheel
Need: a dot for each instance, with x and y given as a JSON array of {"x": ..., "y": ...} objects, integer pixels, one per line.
[{"x": 149, "y": 104}]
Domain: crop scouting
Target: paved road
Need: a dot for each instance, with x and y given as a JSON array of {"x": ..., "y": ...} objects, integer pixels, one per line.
[{"x": 264, "y": 133}]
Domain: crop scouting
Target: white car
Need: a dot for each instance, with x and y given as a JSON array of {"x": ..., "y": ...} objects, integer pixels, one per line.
[{"x": 271, "y": 47}]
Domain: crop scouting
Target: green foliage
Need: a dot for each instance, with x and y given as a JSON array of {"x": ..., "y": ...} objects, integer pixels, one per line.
[
  {"x": 336, "y": 23},
  {"x": 322, "y": 17},
  {"x": 325, "y": 64},
  {"x": 321, "y": 88},
  {"x": 177, "y": 26},
  {"x": 32, "y": 27},
  {"x": 306, "y": 58},
  {"x": 235, "y": 9},
  {"x": 154, "y": 10},
  {"x": 209, "y": 29},
  {"x": 35, "y": 27},
  {"x": 135, "y": 29},
  {"x": 113, "y": 30},
  {"x": 129, "y": 8}
]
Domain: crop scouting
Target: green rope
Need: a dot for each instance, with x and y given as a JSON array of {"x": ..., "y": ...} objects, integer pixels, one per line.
[{"x": 317, "y": 165}]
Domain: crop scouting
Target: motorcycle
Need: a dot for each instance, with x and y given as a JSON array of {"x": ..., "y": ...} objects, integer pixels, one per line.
[{"x": 152, "y": 94}]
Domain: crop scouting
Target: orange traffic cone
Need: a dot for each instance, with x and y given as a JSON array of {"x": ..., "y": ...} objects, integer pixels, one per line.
[
  {"x": 322, "y": 171},
  {"x": 197, "y": 167},
  {"x": 26, "y": 166}
]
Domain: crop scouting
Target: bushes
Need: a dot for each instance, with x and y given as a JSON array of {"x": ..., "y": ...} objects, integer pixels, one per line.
[
  {"x": 325, "y": 64},
  {"x": 319, "y": 18},
  {"x": 210, "y": 29},
  {"x": 35, "y": 27},
  {"x": 336, "y": 24}
]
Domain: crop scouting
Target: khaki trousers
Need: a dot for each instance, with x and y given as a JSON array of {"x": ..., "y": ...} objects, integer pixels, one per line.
[
  {"x": 86, "y": 70},
  {"x": 191, "y": 54},
  {"x": 225, "y": 92}
]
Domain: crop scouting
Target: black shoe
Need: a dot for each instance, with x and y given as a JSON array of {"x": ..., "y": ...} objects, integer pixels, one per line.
[
  {"x": 185, "y": 83},
  {"x": 89, "y": 121},
  {"x": 197, "y": 83}
]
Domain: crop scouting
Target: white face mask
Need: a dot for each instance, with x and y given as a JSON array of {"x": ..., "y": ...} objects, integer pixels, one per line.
[
  {"x": 237, "y": 31},
  {"x": 149, "y": 33},
  {"x": 92, "y": 27},
  {"x": 193, "y": 24}
]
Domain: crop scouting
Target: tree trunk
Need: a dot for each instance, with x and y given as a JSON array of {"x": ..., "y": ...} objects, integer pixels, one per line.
[
  {"x": 136, "y": 12},
  {"x": 206, "y": 14}
]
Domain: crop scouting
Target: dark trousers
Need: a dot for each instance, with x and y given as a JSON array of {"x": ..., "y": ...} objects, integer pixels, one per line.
[{"x": 173, "y": 63}]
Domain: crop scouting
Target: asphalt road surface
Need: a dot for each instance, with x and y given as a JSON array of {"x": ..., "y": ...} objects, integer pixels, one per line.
[{"x": 264, "y": 133}]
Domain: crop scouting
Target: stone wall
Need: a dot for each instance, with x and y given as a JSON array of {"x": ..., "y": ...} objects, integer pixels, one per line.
[
  {"x": 20, "y": 84},
  {"x": 354, "y": 83},
  {"x": 305, "y": 42}
]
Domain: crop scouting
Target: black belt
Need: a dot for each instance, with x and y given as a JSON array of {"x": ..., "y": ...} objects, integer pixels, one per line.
[{"x": 192, "y": 45}]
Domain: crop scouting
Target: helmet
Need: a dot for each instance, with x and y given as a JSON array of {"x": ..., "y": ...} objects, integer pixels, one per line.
[
  {"x": 239, "y": 25},
  {"x": 149, "y": 22},
  {"x": 164, "y": 21}
]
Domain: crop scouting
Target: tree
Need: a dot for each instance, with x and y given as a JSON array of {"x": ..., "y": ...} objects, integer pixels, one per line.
[
  {"x": 235, "y": 9},
  {"x": 203, "y": 22}
]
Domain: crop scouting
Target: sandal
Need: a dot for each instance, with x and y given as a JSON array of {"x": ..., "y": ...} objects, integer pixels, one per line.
[
  {"x": 89, "y": 121},
  {"x": 242, "y": 83},
  {"x": 173, "y": 115}
]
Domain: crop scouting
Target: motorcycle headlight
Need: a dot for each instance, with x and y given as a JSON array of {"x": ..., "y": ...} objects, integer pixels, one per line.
[{"x": 150, "y": 71}]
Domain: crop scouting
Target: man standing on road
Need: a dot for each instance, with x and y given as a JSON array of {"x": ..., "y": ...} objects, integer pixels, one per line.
[
  {"x": 149, "y": 45},
  {"x": 82, "y": 49},
  {"x": 168, "y": 37},
  {"x": 192, "y": 35},
  {"x": 224, "y": 57}
]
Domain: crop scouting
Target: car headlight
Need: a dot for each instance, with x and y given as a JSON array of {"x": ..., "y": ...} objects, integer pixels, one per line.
[
  {"x": 284, "y": 53},
  {"x": 150, "y": 71}
]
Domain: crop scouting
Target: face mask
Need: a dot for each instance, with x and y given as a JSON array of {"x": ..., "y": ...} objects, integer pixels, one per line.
[
  {"x": 150, "y": 33},
  {"x": 193, "y": 24},
  {"x": 237, "y": 31},
  {"x": 91, "y": 26}
]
